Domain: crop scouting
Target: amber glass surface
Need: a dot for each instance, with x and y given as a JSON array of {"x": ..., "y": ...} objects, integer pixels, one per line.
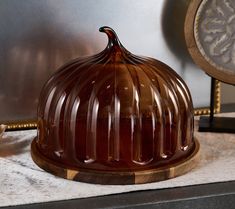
[{"x": 115, "y": 111}]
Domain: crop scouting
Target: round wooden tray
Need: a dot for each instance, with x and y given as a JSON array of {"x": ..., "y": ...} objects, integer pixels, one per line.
[
  {"x": 98, "y": 177},
  {"x": 208, "y": 39}
]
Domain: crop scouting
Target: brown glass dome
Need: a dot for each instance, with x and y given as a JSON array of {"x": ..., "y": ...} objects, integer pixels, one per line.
[{"x": 113, "y": 118}]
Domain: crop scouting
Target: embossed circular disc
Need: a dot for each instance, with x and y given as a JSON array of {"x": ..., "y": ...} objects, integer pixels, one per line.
[{"x": 210, "y": 37}]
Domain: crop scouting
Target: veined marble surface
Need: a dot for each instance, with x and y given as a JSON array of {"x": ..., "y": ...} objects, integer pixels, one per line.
[{"x": 22, "y": 182}]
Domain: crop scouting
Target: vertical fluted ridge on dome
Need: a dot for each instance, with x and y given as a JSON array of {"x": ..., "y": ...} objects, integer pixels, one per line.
[
  {"x": 92, "y": 117},
  {"x": 132, "y": 118},
  {"x": 114, "y": 151},
  {"x": 135, "y": 120},
  {"x": 160, "y": 136},
  {"x": 71, "y": 131},
  {"x": 76, "y": 136},
  {"x": 161, "y": 120}
]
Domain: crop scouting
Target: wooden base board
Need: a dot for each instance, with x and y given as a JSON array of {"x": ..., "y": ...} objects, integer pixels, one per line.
[{"x": 132, "y": 177}]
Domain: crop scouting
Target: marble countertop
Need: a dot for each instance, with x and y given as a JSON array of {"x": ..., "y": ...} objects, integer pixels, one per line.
[{"x": 22, "y": 182}]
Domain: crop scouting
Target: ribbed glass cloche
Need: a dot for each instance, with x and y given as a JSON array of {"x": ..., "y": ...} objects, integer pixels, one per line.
[{"x": 115, "y": 118}]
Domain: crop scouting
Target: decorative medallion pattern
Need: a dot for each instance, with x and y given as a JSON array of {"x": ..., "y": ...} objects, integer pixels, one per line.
[{"x": 214, "y": 31}]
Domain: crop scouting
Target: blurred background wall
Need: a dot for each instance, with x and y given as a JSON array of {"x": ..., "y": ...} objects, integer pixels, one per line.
[
  {"x": 227, "y": 94},
  {"x": 37, "y": 37}
]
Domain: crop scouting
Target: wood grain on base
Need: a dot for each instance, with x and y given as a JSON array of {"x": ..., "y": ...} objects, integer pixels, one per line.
[{"x": 133, "y": 177}]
